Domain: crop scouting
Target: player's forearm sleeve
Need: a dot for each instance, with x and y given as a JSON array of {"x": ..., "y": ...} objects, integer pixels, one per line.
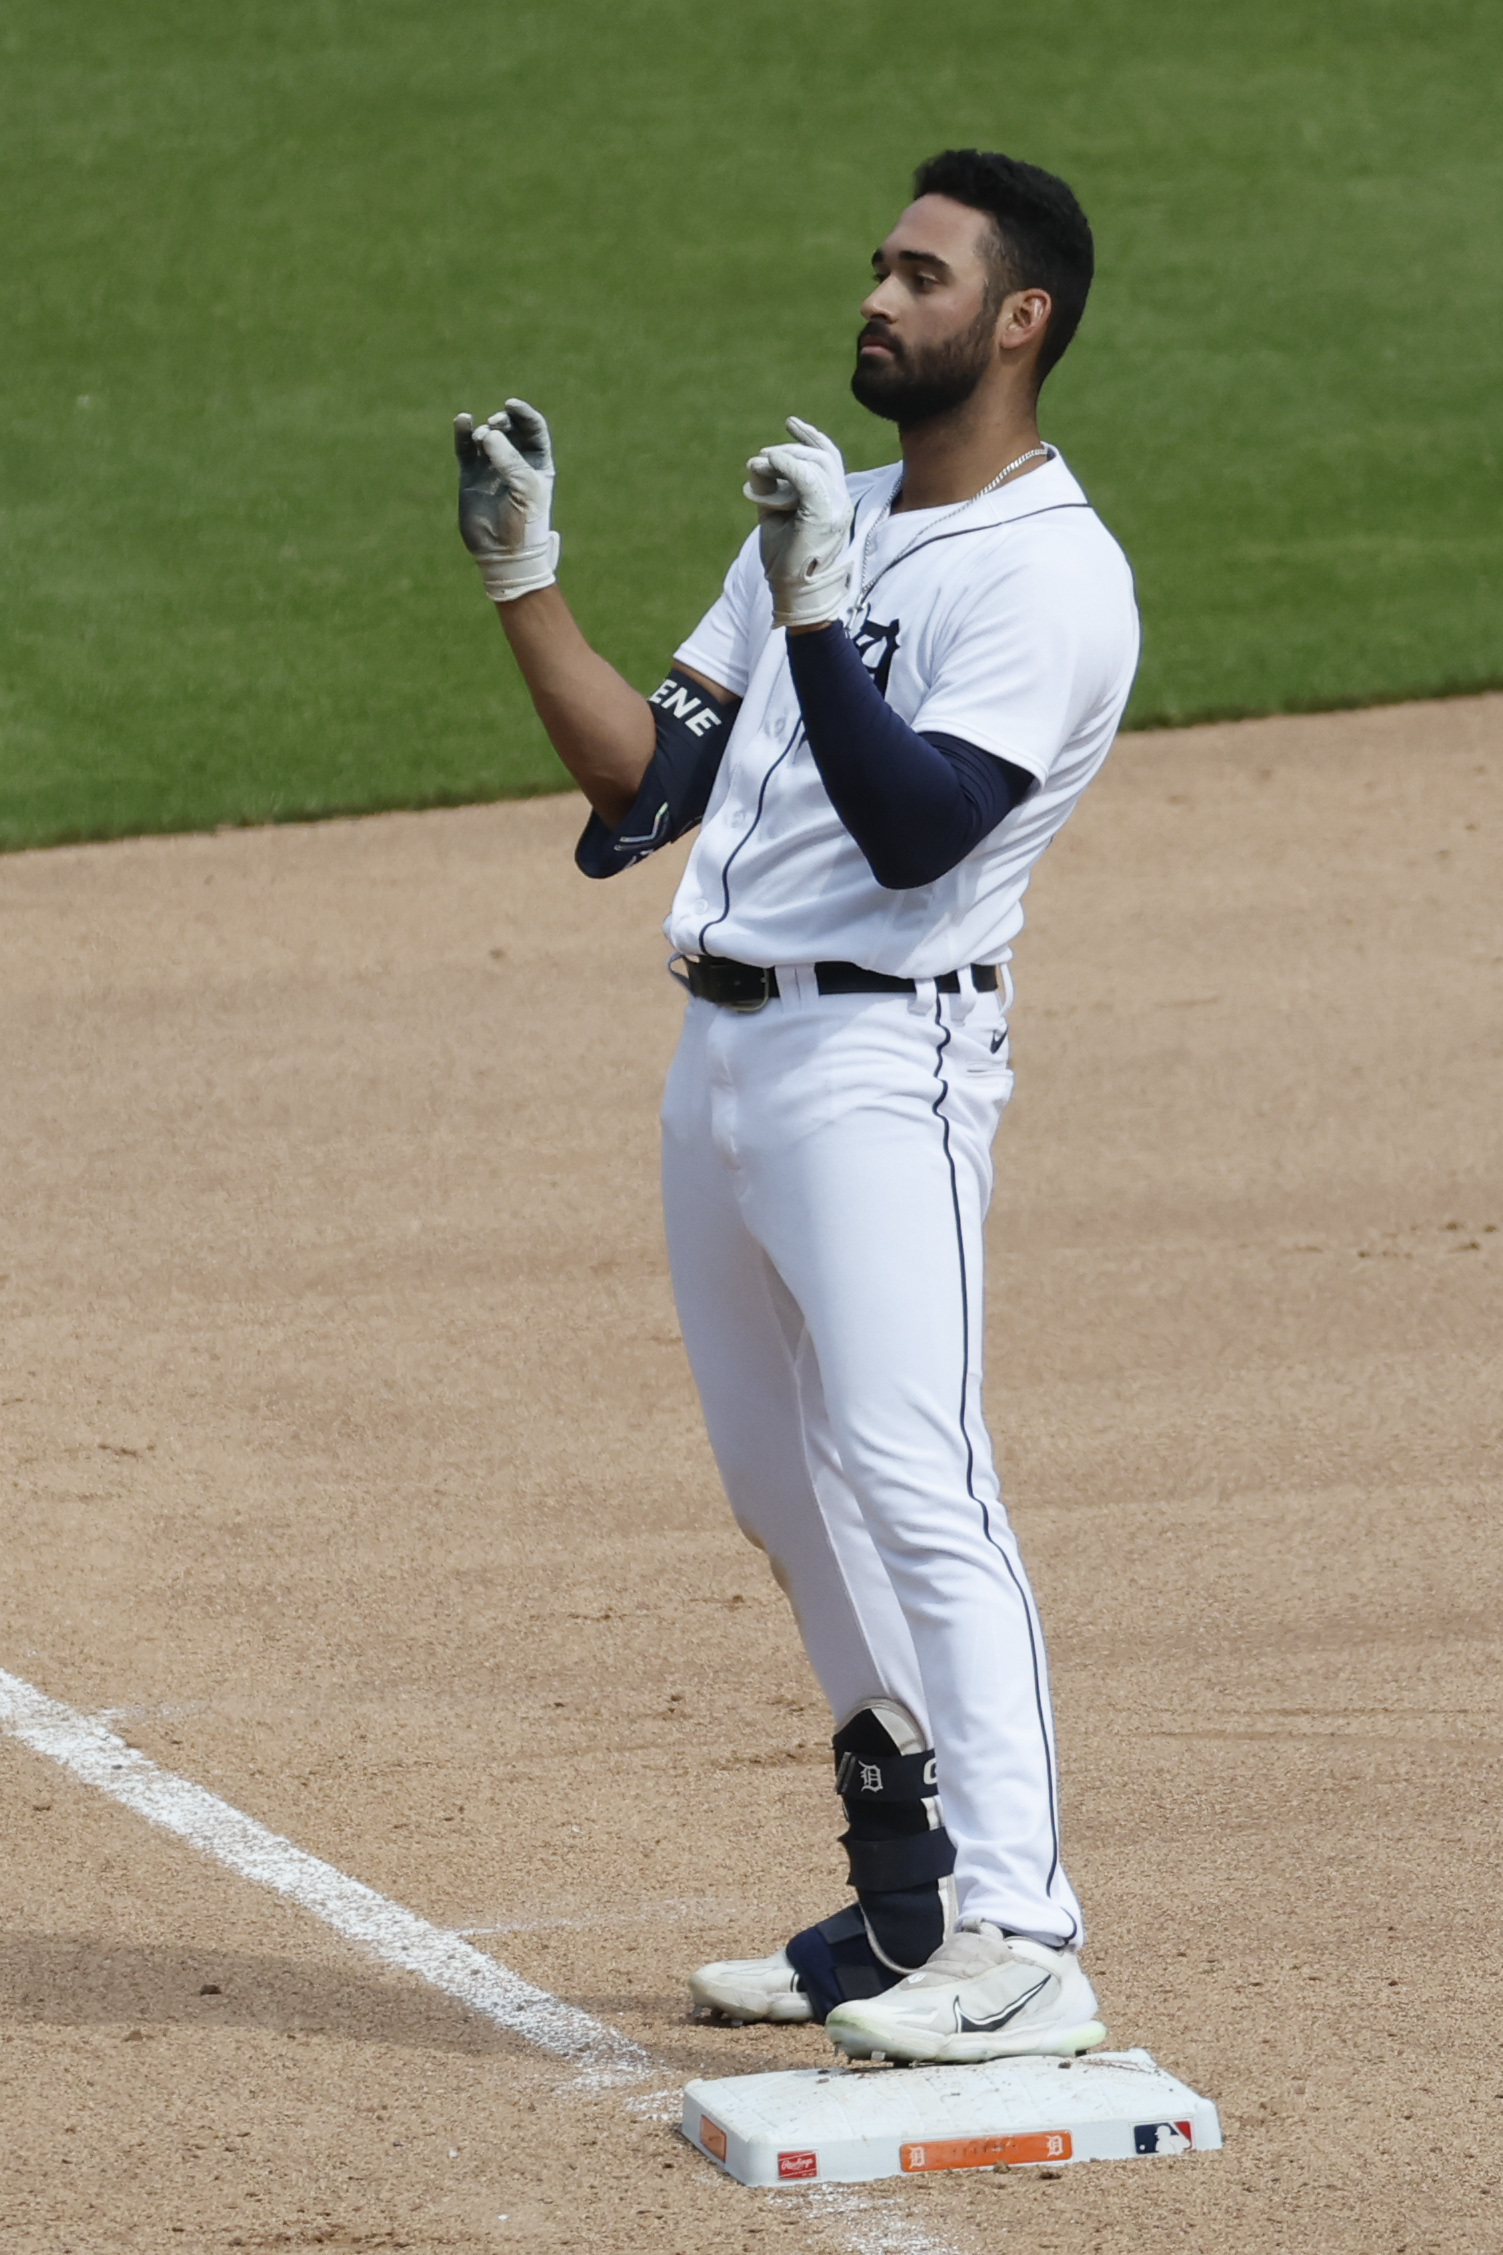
[
  {"x": 690, "y": 743},
  {"x": 915, "y": 804}
]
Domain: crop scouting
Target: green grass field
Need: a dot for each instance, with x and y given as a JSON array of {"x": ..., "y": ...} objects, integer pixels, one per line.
[{"x": 257, "y": 253}]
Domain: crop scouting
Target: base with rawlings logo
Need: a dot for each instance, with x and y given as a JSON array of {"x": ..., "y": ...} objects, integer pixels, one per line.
[{"x": 813, "y": 2126}]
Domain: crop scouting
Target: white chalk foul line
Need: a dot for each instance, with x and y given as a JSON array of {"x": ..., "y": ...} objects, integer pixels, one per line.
[
  {"x": 399, "y": 1937},
  {"x": 396, "y": 1936}
]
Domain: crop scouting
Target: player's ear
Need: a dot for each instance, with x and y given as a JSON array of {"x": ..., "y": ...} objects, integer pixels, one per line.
[{"x": 1024, "y": 317}]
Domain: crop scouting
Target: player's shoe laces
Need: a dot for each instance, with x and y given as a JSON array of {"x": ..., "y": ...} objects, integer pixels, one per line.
[{"x": 983, "y": 1995}]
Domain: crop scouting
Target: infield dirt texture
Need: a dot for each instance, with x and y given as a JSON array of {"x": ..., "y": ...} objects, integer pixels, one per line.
[
  {"x": 353, "y": 1464},
  {"x": 348, "y": 1454}
]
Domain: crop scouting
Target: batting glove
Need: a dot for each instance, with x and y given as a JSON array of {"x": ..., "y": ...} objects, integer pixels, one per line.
[
  {"x": 804, "y": 519},
  {"x": 505, "y": 492}
]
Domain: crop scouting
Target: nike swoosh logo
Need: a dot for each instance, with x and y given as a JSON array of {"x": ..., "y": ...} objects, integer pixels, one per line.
[
  {"x": 998, "y": 2020},
  {"x": 997, "y": 1041}
]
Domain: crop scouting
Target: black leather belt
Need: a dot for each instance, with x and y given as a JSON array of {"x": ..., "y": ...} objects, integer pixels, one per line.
[{"x": 746, "y": 986}]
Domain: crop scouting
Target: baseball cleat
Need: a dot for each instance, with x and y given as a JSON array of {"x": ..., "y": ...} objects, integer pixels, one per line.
[
  {"x": 751, "y": 1988},
  {"x": 983, "y": 1995},
  {"x": 823, "y": 1966}
]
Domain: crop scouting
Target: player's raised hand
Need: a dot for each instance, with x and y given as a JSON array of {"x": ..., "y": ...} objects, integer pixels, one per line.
[
  {"x": 505, "y": 495},
  {"x": 804, "y": 516}
]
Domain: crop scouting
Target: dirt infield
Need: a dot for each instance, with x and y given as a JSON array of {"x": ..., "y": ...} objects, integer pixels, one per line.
[{"x": 351, "y": 1462}]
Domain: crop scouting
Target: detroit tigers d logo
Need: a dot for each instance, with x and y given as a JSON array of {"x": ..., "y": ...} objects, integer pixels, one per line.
[{"x": 872, "y": 637}]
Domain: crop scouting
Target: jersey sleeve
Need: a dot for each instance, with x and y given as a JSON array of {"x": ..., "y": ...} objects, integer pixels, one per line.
[
  {"x": 1030, "y": 653},
  {"x": 720, "y": 646}
]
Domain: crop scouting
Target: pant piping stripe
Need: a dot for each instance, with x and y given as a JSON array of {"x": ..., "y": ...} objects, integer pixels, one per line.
[
  {"x": 970, "y": 1453},
  {"x": 745, "y": 840}
]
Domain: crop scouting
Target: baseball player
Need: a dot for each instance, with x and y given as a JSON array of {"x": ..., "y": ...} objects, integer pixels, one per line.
[{"x": 909, "y": 678}]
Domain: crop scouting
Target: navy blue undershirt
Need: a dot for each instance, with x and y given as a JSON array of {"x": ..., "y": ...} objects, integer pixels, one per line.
[{"x": 916, "y": 802}]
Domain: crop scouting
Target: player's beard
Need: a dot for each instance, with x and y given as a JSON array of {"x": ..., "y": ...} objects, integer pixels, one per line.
[{"x": 918, "y": 384}]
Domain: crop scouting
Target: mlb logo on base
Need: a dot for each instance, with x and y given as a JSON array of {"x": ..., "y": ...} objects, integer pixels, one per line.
[{"x": 1162, "y": 2137}]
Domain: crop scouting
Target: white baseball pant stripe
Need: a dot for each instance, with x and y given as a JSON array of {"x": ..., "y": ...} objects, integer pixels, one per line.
[{"x": 826, "y": 1174}]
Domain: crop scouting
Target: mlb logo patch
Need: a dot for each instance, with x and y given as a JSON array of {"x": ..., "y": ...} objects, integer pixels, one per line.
[{"x": 1162, "y": 2137}]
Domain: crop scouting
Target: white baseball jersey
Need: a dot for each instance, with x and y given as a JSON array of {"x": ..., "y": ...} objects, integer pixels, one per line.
[{"x": 1010, "y": 623}]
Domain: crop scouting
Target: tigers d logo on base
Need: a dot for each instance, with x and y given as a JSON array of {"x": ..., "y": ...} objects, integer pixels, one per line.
[{"x": 986, "y": 2153}]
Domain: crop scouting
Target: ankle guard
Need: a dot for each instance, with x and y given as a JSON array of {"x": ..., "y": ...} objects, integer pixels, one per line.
[
  {"x": 836, "y": 1963},
  {"x": 901, "y": 1856}
]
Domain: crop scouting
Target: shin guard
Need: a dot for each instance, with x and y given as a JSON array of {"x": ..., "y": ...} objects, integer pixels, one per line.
[
  {"x": 901, "y": 1859},
  {"x": 901, "y": 1856}
]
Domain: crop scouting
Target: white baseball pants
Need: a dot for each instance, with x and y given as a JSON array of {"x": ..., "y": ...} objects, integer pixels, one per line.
[{"x": 826, "y": 1173}]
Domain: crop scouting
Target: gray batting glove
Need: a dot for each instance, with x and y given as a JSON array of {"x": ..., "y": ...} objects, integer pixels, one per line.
[
  {"x": 505, "y": 493},
  {"x": 804, "y": 517}
]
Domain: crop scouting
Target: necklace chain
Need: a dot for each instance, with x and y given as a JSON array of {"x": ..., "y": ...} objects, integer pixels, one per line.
[{"x": 1033, "y": 455}]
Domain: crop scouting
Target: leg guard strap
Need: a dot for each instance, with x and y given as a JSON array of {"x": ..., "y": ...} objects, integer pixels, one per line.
[
  {"x": 880, "y": 1866},
  {"x": 836, "y": 1963}
]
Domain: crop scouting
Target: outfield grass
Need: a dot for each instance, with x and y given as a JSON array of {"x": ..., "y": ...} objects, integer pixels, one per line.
[{"x": 256, "y": 254}]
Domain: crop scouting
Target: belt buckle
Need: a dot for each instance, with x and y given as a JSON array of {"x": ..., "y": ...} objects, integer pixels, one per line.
[{"x": 750, "y": 1009}]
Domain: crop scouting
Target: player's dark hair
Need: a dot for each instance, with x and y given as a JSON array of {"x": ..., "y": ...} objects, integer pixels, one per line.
[{"x": 1044, "y": 240}]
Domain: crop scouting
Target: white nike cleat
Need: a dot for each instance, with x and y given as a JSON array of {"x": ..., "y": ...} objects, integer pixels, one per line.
[
  {"x": 751, "y": 1988},
  {"x": 983, "y": 1995}
]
